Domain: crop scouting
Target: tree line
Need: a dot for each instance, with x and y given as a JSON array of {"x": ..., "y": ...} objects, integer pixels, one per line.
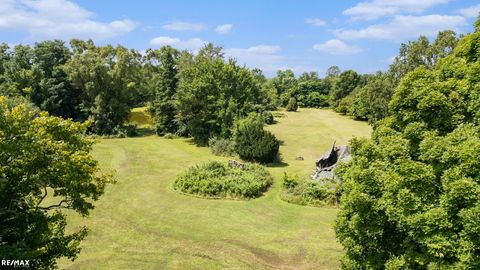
[{"x": 196, "y": 95}]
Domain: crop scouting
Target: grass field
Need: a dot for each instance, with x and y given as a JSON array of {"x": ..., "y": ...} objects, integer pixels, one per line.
[{"x": 141, "y": 223}]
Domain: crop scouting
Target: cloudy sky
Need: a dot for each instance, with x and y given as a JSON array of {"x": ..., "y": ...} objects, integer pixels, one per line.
[{"x": 302, "y": 35}]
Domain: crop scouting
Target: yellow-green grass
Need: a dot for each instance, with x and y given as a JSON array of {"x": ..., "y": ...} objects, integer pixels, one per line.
[
  {"x": 140, "y": 117},
  {"x": 141, "y": 223}
]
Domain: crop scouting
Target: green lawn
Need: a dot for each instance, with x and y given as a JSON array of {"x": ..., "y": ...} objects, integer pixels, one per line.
[{"x": 141, "y": 223}]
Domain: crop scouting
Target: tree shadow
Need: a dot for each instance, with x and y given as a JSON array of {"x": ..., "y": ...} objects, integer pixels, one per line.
[
  {"x": 277, "y": 164},
  {"x": 145, "y": 131}
]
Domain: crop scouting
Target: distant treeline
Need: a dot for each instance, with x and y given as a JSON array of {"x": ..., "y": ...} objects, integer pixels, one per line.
[{"x": 198, "y": 95}]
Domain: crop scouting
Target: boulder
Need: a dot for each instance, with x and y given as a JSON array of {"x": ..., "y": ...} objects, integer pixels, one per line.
[{"x": 326, "y": 164}]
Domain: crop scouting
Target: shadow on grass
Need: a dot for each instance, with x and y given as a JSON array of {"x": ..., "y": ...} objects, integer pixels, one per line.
[
  {"x": 143, "y": 132},
  {"x": 277, "y": 164}
]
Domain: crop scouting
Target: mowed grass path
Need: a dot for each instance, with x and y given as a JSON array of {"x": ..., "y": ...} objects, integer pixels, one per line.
[{"x": 141, "y": 223}]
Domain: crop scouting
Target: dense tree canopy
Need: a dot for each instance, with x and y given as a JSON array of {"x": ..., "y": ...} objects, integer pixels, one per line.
[
  {"x": 412, "y": 192},
  {"x": 45, "y": 165},
  {"x": 107, "y": 77},
  {"x": 213, "y": 92}
]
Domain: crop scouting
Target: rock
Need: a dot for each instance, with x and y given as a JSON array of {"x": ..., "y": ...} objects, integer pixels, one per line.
[
  {"x": 235, "y": 164},
  {"x": 329, "y": 161},
  {"x": 299, "y": 158}
]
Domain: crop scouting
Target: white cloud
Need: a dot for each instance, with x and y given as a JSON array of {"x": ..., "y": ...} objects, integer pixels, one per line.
[
  {"x": 224, "y": 28},
  {"x": 269, "y": 59},
  {"x": 378, "y": 8},
  {"x": 57, "y": 19},
  {"x": 184, "y": 26},
  {"x": 265, "y": 57},
  {"x": 315, "y": 21},
  {"x": 404, "y": 27},
  {"x": 470, "y": 12},
  {"x": 337, "y": 47},
  {"x": 189, "y": 44}
]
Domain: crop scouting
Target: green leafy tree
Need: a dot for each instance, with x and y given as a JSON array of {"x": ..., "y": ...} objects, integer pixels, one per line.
[
  {"x": 45, "y": 166},
  {"x": 370, "y": 101},
  {"x": 412, "y": 193},
  {"x": 285, "y": 84},
  {"x": 53, "y": 92},
  {"x": 212, "y": 93},
  {"x": 421, "y": 53},
  {"x": 107, "y": 78},
  {"x": 163, "y": 62},
  {"x": 18, "y": 76},
  {"x": 346, "y": 83}
]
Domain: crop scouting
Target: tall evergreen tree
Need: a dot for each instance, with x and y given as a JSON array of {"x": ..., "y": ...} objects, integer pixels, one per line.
[{"x": 163, "y": 65}]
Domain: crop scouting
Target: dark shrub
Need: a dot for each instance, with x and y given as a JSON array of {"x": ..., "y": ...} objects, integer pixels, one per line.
[
  {"x": 252, "y": 143},
  {"x": 217, "y": 180},
  {"x": 292, "y": 105}
]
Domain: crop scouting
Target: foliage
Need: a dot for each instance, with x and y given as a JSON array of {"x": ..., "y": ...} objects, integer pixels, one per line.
[
  {"x": 213, "y": 92},
  {"x": 252, "y": 143},
  {"x": 315, "y": 100},
  {"x": 308, "y": 192},
  {"x": 346, "y": 83},
  {"x": 421, "y": 53},
  {"x": 221, "y": 146},
  {"x": 45, "y": 165},
  {"x": 215, "y": 179},
  {"x": 107, "y": 77},
  {"x": 162, "y": 64},
  {"x": 292, "y": 105},
  {"x": 267, "y": 118},
  {"x": 52, "y": 91},
  {"x": 412, "y": 193},
  {"x": 371, "y": 100}
]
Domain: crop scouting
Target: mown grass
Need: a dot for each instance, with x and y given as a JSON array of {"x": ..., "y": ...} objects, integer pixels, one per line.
[{"x": 142, "y": 223}]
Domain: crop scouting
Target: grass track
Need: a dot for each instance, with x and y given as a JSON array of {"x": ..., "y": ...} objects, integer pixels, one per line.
[{"x": 141, "y": 223}]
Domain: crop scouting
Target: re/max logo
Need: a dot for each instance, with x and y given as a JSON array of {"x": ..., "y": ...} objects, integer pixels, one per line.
[{"x": 16, "y": 263}]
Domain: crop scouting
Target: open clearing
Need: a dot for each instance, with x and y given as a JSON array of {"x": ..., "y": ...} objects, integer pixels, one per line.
[{"x": 141, "y": 223}]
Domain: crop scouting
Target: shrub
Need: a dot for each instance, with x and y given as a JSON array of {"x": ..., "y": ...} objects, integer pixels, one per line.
[
  {"x": 292, "y": 105},
  {"x": 316, "y": 100},
  {"x": 268, "y": 118},
  {"x": 217, "y": 180},
  {"x": 289, "y": 181},
  {"x": 252, "y": 143},
  {"x": 308, "y": 192},
  {"x": 128, "y": 130},
  {"x": 221, "y": 147},
  {"x": 344, "y": 105}
]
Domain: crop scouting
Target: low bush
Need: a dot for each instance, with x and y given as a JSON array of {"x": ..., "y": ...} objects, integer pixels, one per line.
[
  {"x": 217, "y": 180},
  {"x": 127, "y": 130},
  {"x": 309, "y": 192},
  {"x": 252, "y": 143},
  {"x": 268, "y": 118},
  {"x": 221, "y": 147}
]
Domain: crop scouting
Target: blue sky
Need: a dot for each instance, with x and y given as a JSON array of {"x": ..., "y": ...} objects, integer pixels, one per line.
[{"x": 302, "y": 35}]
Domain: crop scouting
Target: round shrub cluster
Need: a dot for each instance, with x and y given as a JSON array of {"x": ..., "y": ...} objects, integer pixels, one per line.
[
  {"x": 217, "y": 180},
  {"x": 253, "y": 143}
]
